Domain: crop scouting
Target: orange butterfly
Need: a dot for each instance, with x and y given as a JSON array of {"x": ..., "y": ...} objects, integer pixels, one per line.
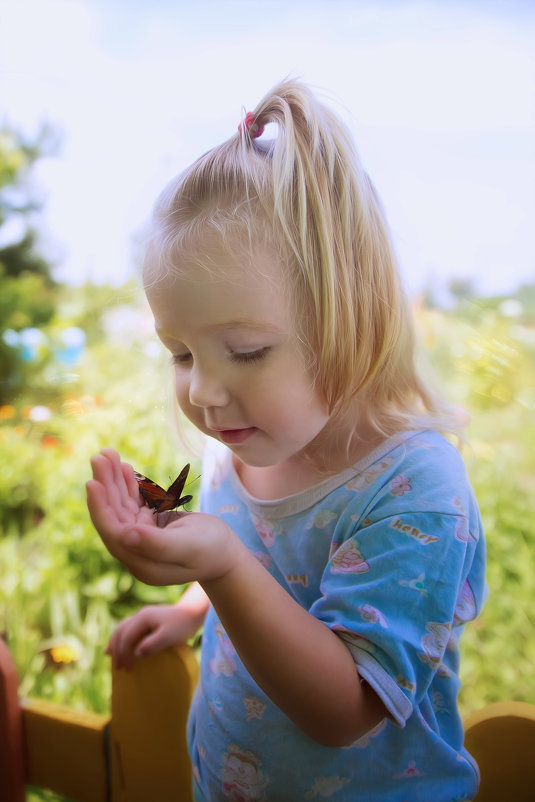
[{"x": 163, "y": 500}]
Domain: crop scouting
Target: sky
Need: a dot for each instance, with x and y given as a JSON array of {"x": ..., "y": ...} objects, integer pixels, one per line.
[{"x": 439, "y": 95}]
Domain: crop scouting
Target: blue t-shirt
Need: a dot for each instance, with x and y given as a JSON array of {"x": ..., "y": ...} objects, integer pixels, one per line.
[{"x": 390, "y": 555}]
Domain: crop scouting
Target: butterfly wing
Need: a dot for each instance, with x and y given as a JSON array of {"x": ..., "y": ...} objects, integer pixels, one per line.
[
  {"x": 159, "y": 499},
  {"x": 174, "y": 494},
  {"x": 153, "y": 495}
]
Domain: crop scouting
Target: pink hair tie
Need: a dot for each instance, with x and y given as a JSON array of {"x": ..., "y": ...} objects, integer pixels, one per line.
[{"x": 251, "y": 126}]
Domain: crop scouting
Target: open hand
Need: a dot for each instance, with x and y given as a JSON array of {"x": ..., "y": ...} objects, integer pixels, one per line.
[{"x": 191, "y": 546}]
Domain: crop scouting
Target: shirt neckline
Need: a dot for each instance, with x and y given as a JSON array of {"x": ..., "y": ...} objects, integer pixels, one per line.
[{"x": 299, "y": 502}]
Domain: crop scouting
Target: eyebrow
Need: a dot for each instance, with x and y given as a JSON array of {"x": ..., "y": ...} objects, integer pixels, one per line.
[
  {"x": 262, "y": 326},
  {"x": 247, "y": 323}
]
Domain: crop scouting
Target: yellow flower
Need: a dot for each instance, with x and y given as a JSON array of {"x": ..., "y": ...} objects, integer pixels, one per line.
[{"x": 64, "y": 653}]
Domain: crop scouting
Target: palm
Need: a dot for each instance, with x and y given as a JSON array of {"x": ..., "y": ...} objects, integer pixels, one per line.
[{"x": 194, "y": 546}]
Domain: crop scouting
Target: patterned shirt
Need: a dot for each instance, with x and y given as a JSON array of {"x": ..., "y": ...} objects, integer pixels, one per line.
[{"x": 389, "y": 555}]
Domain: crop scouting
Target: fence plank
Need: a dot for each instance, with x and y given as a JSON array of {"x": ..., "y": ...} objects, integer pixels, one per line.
[
  {"x": 150, "y": 704},
  {"x": 501, "y": 737},
  {"x": 66, "y": 750}
]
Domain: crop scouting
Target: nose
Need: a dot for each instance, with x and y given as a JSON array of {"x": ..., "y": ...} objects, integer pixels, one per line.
[{"x": 206, "y": 389}]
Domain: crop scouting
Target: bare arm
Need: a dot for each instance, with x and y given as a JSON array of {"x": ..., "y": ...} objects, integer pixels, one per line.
[{"x": 298, "y": 662}]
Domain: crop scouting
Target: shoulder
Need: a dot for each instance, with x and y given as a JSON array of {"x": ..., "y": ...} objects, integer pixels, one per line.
[
  {"x": 426, "y": 455},
  {"x": 421, "y": 472},
  {"x": 429, "y": 461}
]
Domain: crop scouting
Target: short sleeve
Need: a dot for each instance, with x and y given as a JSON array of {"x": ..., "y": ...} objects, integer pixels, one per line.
[{"x": 391, "y": 591}]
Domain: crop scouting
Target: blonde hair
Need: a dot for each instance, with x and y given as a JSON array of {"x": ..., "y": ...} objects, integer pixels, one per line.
[{"x": 305, "y": 193}]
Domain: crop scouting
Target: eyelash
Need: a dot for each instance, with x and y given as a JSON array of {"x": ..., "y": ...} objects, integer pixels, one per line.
[
  {"x": 248, "y": 357},
  {"x": 239, "y": 357}
]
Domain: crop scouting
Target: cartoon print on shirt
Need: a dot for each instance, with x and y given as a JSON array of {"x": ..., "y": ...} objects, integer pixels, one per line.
[
  {"x": 297, "y": 579},
  {"x": 400, "y": 485},
  {"x": 369, "y": 613},
  {"x": 453, "y": 642},
  {"x": 242, "y": 779},
  {"x": 465, "y": 608},
  {"x": 266, "y": 530},
  {"x": 410, "y": 771},
  {"x": 223, "y": 660},
  {"x": 439, "y": 703},
  {"x": 434, "y": 643},
  {"x": 254, "y": 707},
  {"x": 368, "y": 476},
  {"x": 215, "y": 704},
  {"x": 366, "y": 522},
  {"x": 415, "y": 584},
  {"x": 326, "y": 786},
  {"x": 232, "y": 509},
  {"x": 321, "y": 519},
  {"x": 348, "y": 559},
  {"x": 462, "y": 531},
  {"x": 413, "y": 531},
  {"x": 405, "y": 683},
  {"x": 443, "y": 671},
  {"x": 458, "y": 503}
]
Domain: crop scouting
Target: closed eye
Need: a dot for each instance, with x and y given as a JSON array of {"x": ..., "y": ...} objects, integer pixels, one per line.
[{"x": 249, "y": 357}]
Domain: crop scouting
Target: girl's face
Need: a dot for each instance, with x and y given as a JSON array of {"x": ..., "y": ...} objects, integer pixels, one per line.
[{"x": 240, "y": 374}]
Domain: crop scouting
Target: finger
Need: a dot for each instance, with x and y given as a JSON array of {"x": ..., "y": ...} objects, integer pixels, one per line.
[
  {"x": 132, "y": 484},
  {"x": 100, "y": 468},
  {"x": 155, "y": 642},
  {"x": 102, "y": 515},
  {"x": 126, "y": 498},
  {"x": 112, "y": 648},
  {"x": 107, "y": 470},
  {"x": 125, "y": 638},
  {"x": 110, "y": 522},
  {"x": 103, "y": 473}
]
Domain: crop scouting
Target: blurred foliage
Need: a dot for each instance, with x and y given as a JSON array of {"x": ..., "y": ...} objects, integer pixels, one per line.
[
  {"x": 484, "y": 353},
  {"x": 27, "y": 292},
  {"x": 61, "y": 594}
]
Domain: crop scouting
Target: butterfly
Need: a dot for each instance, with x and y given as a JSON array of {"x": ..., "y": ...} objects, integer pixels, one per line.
[{"x": 163, "y": 500}]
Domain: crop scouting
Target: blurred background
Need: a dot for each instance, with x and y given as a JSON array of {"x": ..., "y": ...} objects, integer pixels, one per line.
[{"x": 101, "y": 102}]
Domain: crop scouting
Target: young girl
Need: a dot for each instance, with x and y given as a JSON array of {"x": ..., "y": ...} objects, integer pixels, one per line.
[{"x": 339, "y": 550}]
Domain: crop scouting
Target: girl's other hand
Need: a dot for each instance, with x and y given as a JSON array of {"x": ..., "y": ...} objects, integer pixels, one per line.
[{"x": 150, "y": 630}]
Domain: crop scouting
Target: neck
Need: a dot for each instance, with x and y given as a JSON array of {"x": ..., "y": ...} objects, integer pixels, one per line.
[
  {"x": 278, "y": 481},
  {"x": 303, "y": 471}
]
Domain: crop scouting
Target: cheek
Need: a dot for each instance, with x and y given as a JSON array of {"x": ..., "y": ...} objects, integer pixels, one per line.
[
  {"x": 181, "y": 389},
  {"x": 292, "y": 406}
]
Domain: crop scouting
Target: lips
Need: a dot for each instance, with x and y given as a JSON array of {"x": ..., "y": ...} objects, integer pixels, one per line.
[{"x": 233, "y": 436}]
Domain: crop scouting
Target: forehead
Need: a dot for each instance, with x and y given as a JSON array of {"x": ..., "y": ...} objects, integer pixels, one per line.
[{"x": 218, "y": 286}]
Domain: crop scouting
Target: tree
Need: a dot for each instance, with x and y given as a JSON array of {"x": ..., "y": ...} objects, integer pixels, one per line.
[{"x": 27, "y": 291}]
